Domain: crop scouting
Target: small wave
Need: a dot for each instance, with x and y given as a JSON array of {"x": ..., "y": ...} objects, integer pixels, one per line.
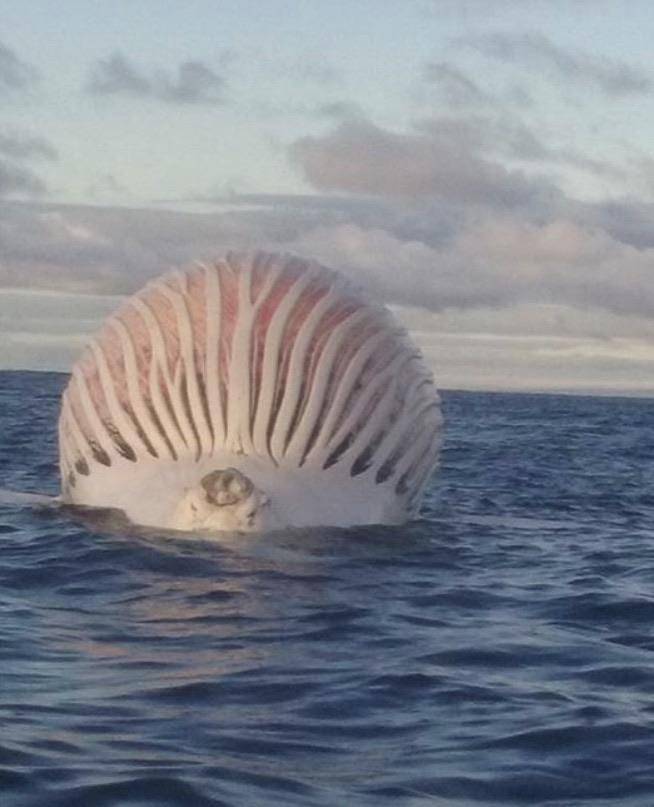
[{"x": 496, "y": 652}]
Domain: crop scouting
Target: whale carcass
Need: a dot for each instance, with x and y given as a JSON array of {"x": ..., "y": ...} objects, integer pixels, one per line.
[{"x": 256, "y": 392}]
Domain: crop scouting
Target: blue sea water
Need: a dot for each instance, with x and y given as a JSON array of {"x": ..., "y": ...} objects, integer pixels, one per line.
[{"x": 499, "y": 651}]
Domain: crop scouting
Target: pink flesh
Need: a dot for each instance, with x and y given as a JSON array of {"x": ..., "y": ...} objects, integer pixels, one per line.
[{"x": 195, "y": 299}]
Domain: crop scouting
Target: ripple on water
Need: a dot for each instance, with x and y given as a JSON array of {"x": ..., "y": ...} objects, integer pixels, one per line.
[{"x": 497, "y": 652}]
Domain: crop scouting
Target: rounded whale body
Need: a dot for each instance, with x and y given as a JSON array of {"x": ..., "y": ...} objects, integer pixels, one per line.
[{"x": 257, "y": 392}]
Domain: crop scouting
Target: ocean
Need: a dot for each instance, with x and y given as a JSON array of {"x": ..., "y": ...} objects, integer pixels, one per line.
[{"x": 498, "y": 651}]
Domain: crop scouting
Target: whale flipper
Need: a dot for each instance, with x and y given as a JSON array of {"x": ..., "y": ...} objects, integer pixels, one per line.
[{"x": 13, "y": 497}]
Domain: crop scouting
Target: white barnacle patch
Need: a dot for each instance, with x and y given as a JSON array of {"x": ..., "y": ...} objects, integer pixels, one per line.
[{"x": 223, "y": 500}]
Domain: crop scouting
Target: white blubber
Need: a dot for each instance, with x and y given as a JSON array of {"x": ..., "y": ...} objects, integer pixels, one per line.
[{"x": 257, "y": 392}]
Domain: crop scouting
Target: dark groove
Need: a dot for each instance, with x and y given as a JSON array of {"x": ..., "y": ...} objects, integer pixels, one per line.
[
  {"x": 204, "y": 401},
  {"x": 365, "y": 458},
  {"x": 99, "y": 454},
  {"x": 139, "y": 430},
  {"x": 404, "y": 443},
  {"x": 278, "y": 396},
  {"x": 169, "y": 407},
  {"x": 121, "y": 445},
  {"x": 340, "y": 449},
  {"x": 330, "y": 391},
  {"x": 186, "y": 406},
  {"x": 300, "y": 406},
  {"x": 82, "y": 466},
  {"x": 158, "y": 425},
  {"x": 255, "y": 385},
  {"x": 357, "y": 386},
  {"x": 402, "y": 483}
]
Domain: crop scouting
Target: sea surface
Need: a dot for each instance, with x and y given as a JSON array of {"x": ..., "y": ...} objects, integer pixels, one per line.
[{"x": 499, "y": 651}]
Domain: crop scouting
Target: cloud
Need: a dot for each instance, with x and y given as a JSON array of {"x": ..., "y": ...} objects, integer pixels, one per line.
[
  {"x": 626, "y": 220},
  {"x": 16, "y": 179},
  {"x": 612, "y": 77},
  {"x": 489, "y": 159},
  {"x": 59, "y": 249},
  {"x": 496, "y": 261},
  {"x": 193, "y": 83},
  {"x": 508, "y": 137},
  {"x": 547, "y": 364},
  {"x": 106, "y": 186},
  {"x": 19, "y": 145},
  {"x": 491, "y": 127},
  {"x": 485, "y": 259},
  {"x": 457, "y": 88},
  {"x": 492, "y": 124},
  {"x": 495, "y": 299},
  {"x": 115, "y": 75},
  {"x": 17, "y": 148},
  {"x": 105, "y": 250},
  {"x": 339, "y": 110},
  {"x": 37, "y": 329},
  {"x": 443, "y": 157},
  {"x": 14, "y": 73}
]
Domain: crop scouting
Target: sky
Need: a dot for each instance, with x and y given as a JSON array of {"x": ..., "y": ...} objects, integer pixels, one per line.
[{"x": 483, "y": 167}]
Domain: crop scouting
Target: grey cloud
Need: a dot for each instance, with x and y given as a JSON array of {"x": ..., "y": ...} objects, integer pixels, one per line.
[
  {"x": 14, "y": 73},
  {"x": 483, "y": 286},
  {"x": 443, "y": 158},
  {"x": 22, "y": 146},
  {"x": 626, "y": 220},
  {"x": 433, "y": 255},
  {"x": 116, "y": 75},
  {"x": 80, "y": 250},
  {"x": 459, "y": 160},
  {"x": 509, "y": 137},
  {"x": 496, "y": 126},
  {"x": 458, "y": 89},
  {"x": 106, "y": 186},
  {"x": 37, "y": 330},
  {"x": 193, "y": 83},
  {"x": 598, "y": 167},
  {"x": 494, "y": 262},
  {"x": 641, "y": 172},
  {"x": 17, "y": 148},
  {"x": 276, "y": 218},
  {"x": 18, "y": 179},
  {"x": 339, "y": 110},
  {"x": 107, "y": 250},
  {"x": 478, "y": 282},
  {"x": 611, "y": 76}
]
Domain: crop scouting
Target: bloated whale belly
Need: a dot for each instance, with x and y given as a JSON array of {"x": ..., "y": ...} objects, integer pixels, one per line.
[{"x": 259, "y": 391}]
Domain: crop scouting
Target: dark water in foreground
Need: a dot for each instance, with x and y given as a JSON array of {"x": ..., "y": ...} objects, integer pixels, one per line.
[{"x": 498, "y": 652}]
